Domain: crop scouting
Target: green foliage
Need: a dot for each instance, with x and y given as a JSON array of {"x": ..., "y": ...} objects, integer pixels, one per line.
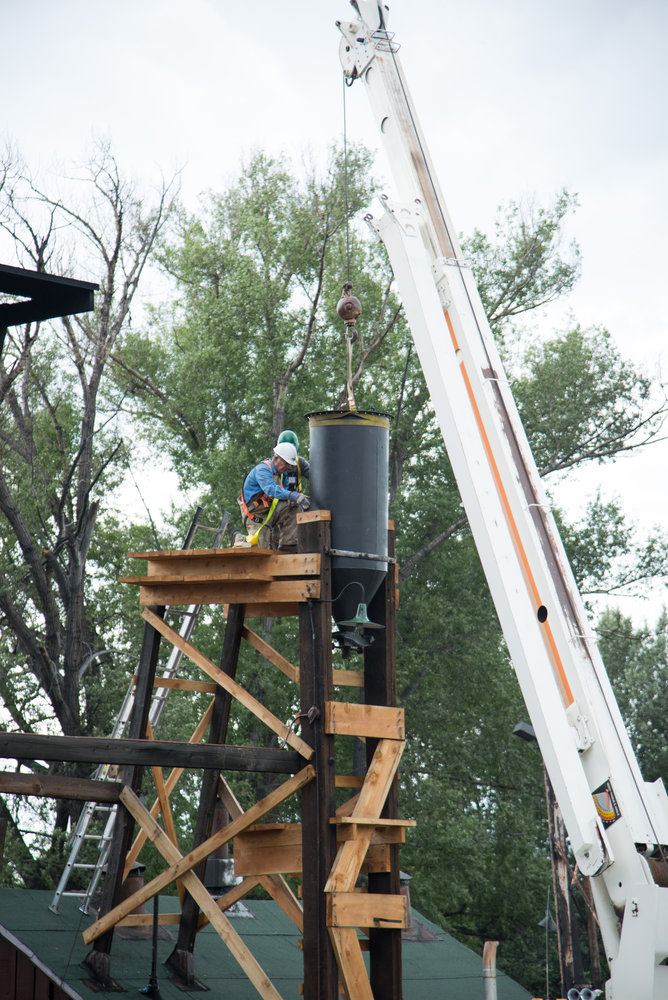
[
  {"x": 523, "y": 268},
  {"x": 637, "y": 662},
  {"x": 605, "y": 405},
  {"x": 253, "y": 274},
  {"x": 61, "y": 645}
]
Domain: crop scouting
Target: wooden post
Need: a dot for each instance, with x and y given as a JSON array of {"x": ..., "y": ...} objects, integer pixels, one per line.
[
  {"x": 181, "y": 959},
  {"x": 318, "y": 797},
  {"x": 380, "y": 688},
  {"x": 99, "y": 959},
  {"x": 568, "y": 942}
]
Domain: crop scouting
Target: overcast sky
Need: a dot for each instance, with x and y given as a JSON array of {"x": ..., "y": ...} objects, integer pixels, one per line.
[{"x": 517, "y": 100}]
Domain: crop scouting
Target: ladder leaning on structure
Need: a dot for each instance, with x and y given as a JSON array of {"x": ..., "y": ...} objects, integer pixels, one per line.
[{"x": 96, "y": 821}]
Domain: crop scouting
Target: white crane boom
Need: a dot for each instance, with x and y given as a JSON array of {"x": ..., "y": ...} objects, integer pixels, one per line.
[{"x": 617, "y": 823}]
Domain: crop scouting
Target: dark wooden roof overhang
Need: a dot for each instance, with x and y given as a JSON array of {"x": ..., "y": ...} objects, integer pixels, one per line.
[{"x": 44, "y": 296}]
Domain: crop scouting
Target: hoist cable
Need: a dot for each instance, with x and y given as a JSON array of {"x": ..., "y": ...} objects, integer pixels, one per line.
[
  {"x": 349, "y": 381},
  {"x": 345, "y": 179}
]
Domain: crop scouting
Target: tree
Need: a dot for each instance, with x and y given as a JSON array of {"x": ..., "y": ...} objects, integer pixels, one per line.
[
  {"x": 255, "y": 343},
  {"x": 637, "y": 661},
  {"x": 61, "y": 452}
]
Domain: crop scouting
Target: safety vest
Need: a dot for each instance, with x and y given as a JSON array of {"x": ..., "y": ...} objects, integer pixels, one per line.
[{"x": 260, "y": 501}]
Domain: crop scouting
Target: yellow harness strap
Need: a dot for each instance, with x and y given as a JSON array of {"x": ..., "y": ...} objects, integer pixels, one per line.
[{"x": 254, "y": 537}]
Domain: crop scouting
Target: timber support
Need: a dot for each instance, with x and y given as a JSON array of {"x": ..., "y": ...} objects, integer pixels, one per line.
[{"x": 350, "y": 825}]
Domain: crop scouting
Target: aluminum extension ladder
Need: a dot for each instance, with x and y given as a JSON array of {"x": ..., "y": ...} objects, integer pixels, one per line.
[{"x": 96, "y": 821}]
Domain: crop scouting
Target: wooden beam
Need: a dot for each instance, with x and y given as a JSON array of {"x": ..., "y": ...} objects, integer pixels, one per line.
[
  {"x": 165, "y": 809},
  {"x": 189, "y": 861},
  {"x": 272, "y": 610},
  {"x": 170, "y": 784},
  {"x": 355, "y": 909},
  {"x": 314, "y": 516},
  {"x": 276, "y": 564},
  {"x": 216, "y": 592},
  {"x": 163, "y": 579},
  {"x": 281, "y": 854},
  {"x": 380, "y": 688},
  {"x": 269, "y": 653},
  {"x": 378, "y": 780},
  {"x": 55, "y": 786},
  {"x": 319, "y": 798},
  {"x": 181, "y": 684},
  {"x": 98, "y": 960},
  {"x": 281, "y": 893},
  {"x": 348, "y": 781},
  {"x": 364, "y": 821},
  {"x": 386, "y": 835},
  {"x": 147, "y": 753},
  {"x": 228, "y": 899},
  {"x": 350, "y": 960},
  {"x": 342, "y": 678},
  {"x": 379, "y": 721},
  {"x": 181, "y": 959},
  {"x": 228, "y": 798},
  {"x": 146, "y": 919},
  {"x": 348, "y": 678},
  {"x": 238, "y": 949},
  {"x": 230, "y": 685}
]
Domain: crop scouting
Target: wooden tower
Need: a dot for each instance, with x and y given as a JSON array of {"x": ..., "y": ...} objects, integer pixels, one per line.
[{"x": 349, "y": 824}]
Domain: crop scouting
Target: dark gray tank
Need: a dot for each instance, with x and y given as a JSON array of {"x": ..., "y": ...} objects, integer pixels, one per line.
[{"x": 349, "y": 456}]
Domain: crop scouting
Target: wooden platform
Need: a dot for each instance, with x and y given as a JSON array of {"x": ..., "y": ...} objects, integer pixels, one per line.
[{"x": 268, "y": 583}]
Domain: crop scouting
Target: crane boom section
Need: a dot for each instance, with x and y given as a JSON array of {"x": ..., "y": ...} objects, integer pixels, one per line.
[{"x": 616, "y": 821}]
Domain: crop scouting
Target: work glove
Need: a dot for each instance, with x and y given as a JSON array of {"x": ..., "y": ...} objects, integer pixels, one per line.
[{"x": 299, "y": 500}]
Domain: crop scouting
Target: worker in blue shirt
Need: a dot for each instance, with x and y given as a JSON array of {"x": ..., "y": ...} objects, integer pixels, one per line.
[{"x": 268, "y": 507}]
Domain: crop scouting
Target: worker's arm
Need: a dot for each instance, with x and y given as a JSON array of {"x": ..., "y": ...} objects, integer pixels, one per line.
[{"x": 265, "y": 481}]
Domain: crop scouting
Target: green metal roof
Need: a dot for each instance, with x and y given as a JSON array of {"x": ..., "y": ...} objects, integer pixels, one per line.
[{"x": 439, "y": 968}]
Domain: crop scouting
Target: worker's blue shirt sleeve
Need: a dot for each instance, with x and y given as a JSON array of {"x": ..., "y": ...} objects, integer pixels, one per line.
[{"x": 261, "y": 480}]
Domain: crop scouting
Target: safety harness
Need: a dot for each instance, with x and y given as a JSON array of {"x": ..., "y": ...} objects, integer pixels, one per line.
[{"x": 260, "y": 501}]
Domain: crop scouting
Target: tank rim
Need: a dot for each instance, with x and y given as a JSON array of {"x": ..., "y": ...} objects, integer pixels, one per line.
[{"x": 349, "y": 413}]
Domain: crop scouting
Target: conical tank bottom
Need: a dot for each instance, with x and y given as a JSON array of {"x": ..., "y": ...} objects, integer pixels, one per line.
[{"x": 349, "y": 456}]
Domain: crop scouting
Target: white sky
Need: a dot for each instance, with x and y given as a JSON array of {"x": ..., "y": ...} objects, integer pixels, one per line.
[{"x": 517, "y": 99}]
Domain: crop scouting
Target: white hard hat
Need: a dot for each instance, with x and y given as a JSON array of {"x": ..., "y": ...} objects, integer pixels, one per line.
[{"x": 287, "y": 452}]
